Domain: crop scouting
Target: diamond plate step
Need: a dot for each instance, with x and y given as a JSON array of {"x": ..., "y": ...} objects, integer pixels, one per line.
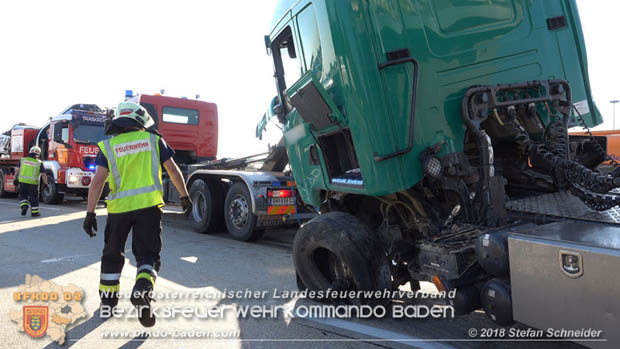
[{"x": 563, "y": 205}]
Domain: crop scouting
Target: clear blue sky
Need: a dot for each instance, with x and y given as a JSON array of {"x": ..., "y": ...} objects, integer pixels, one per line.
[{"x": 57, "y": 53}]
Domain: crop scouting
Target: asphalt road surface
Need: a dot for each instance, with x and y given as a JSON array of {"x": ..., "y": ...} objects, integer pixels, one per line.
[{"x": 56, "y": 248}]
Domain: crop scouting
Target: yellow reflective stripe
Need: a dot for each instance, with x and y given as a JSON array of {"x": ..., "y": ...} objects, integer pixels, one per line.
[
  {"x": 134, "y": 192},
  {"x": 155, "y": 161},
  {"x": 108, "y": 288},
  {"x": 112, "y": 161},
  {"x": 146, "y": 276}
]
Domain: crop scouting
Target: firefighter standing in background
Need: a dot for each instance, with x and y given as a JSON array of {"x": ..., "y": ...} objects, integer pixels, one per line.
[
  {"x": 30, "y": 168},
  {"x": 133, "y": 161}
]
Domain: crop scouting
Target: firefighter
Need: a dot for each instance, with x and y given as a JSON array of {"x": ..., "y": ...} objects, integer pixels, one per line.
[
  {"x": 132, "y": 162},
  {"x": 30, "y": 168}
]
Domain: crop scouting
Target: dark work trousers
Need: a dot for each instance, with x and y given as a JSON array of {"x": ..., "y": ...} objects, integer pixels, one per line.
[
  {"x": 146, "y": 246},
  {"x": 29, "y": 195}
]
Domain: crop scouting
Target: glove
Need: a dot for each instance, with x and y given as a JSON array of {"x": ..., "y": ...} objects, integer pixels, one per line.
[
  {"x": 16, "y": 181},
  {"x": 90, "y": 224},
  {"x": 187, "y": 205}
]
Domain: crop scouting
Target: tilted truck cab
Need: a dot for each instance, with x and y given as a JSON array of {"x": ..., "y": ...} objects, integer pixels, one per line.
[
  {"x": 415, "y": 126},
  {"x": 396, "y": 73}
]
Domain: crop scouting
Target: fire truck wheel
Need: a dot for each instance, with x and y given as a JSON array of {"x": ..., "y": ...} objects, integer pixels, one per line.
[
  {"x": 49, "y": 192},
  {"x": 2, "y": 192},
  {"x": 336, "y": 251},
  {"x": 238, "y": 216},
  {"x": 208, "y": 198}
]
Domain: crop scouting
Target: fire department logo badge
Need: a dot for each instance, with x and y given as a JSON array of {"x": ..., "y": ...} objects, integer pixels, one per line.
[{"x": 35, "y": 320}]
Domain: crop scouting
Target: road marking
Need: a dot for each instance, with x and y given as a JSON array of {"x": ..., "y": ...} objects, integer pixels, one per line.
[
  {"x": 54, "y": 260},
  {"x": 190, "y": 259},
  {"x": 377, "y": 333}
]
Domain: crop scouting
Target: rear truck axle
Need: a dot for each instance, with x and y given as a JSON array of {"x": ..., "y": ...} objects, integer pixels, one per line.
[{"x": 245, "y": 203}]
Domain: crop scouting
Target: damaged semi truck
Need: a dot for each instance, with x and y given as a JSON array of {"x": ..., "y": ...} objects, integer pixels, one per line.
[{"x": 432, "y": 137}]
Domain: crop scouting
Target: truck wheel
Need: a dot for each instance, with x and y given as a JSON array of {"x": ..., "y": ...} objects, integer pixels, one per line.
[
  {"x": 2, "y": 192},
  {"x": 300, "y": 284},
  {"x": 49, "y": 192},
  {"x": 240, "y": 221},
  {"x": 207, "y": 212},
  {"x": 336, "y": 251}
]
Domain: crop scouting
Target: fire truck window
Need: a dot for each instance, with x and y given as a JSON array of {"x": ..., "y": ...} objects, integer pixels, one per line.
[
  {"x": 65, "y": 134},
  {"x": 180, "y": 115}
]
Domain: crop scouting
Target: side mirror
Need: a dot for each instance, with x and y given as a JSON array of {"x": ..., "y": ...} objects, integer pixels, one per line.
[
  {"x": 277, "y": 109},
  {"x": 261, "y": 126}
]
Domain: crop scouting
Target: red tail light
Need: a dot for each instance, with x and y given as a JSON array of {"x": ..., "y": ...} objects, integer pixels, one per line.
[{"x": 280, "y": 193}]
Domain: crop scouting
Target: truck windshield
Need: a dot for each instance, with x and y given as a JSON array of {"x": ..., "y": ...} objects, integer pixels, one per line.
[{"x": 85, "y": 133}]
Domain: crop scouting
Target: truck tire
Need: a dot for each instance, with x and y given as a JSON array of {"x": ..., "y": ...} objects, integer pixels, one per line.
[
  {"x": 208, "y": 199},
  {"x": 49, "y": 192},
  {"x": 2, "y": 192},
  {"x": 238, "y": 216},
  {"x": 336, "y": 251}
]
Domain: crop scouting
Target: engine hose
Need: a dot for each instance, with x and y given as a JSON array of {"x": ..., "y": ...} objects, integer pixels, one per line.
[
  {"x": 597, "y": 146},
  {"x": 575, "y": 172},
  {"x": 595, "y": 201}
]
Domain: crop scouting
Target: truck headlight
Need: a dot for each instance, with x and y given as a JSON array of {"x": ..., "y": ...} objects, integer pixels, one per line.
[{"x": 73, "y": 179}]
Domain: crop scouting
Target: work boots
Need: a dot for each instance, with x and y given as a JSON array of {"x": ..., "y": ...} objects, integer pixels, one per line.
[
  {"x": 24, "y": 210},
  {"x": 108, "y": 305},
  {"x": 141, "y": 299}
]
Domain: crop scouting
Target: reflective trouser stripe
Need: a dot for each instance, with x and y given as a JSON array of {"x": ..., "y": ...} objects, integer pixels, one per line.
[
  {"x": 109, "y": 288},
  {"x": 147, "y": 268},
  {"x": 34, "y": 209},
  {"x": 116, "y": 175},
  {"x": 146, "y": 276},
  {"x": 24, "y": 203},
  {"x": 110, "y": 277}
]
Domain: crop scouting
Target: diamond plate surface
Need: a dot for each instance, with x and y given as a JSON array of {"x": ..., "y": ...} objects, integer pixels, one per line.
[{"x": 563, "y": 205}]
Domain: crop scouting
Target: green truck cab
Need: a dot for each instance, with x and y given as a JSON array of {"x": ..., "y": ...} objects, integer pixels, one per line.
[{"x": 410, "y": 121}]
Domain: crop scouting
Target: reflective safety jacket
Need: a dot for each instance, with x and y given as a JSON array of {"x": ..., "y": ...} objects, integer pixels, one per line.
[
  {"x": 29, "y": 170},
  {"x": 134, "y": 171}
]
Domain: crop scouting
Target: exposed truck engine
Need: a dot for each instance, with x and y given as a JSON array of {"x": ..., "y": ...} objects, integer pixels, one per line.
[{"x": 430, "y": 135}]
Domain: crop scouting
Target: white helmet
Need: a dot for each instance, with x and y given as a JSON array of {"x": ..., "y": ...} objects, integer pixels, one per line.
[
  {"x": 134, "y": 111},
  {"x": 35, "y": 150}
]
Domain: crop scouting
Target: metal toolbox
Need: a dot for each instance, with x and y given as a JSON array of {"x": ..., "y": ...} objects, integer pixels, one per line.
[{"x": 567, "y": 276}]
